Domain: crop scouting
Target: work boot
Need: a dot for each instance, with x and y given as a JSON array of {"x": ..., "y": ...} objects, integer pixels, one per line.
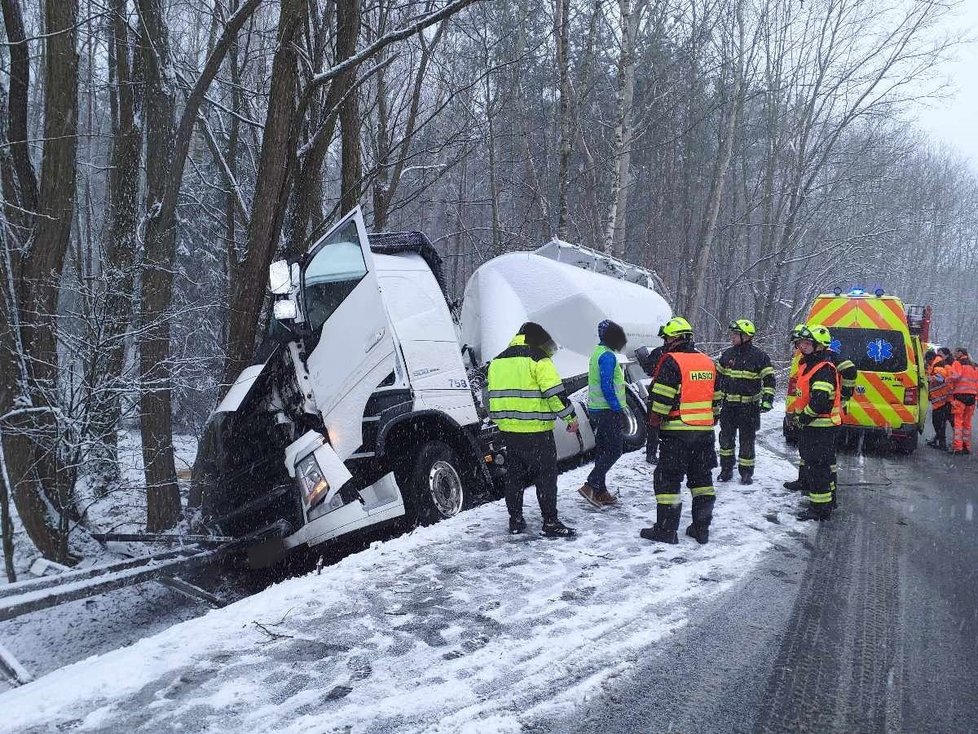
[
  {"x": 746, "y": 476},
  {"x": 701, "y": 533},
  {"x": 815, "y": 512},
  {"x": 516, "y": 525},
  {"x": 557, "y": 529},
  {"x": 590, "y": 494},
  {"x": 726, "y": 474},
  {"x": 660, "y": 534},
  {"x": 795, "y": 486},
  {"x": 935, "y": 444},
  {"x": 606, "y": 498}
]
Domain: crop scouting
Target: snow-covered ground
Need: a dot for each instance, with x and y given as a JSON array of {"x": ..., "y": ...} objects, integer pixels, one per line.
[{"x": 455, "y": 627}]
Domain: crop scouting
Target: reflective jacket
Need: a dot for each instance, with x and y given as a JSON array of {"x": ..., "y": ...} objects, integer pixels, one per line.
[
  {"x": 683, "y": 394},
  {"x": 818, "y": 392},
  {"x": 526, "y": 394},
  {"x": 938, "y": 386},
  {"x": 964, "y": 377},
  {"x": 745, "y": 375},
  {"x": 596, "y": 399}
]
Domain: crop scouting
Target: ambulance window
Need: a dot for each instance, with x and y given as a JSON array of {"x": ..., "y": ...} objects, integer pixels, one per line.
[
  {"x": 333, "y": 272},
  {"x": 871, "y": 350}
]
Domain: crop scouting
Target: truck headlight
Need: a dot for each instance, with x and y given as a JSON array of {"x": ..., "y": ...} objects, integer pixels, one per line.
[{"x": 311, "y": 480}]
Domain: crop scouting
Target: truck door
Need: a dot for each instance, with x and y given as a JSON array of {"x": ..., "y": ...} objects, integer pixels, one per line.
[{"x": 351, "y": 348}]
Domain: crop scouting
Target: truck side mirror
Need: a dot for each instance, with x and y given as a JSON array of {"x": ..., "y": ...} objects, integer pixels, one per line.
[
  {"x": 279, "y": 278},
  {"x": 285, "y": 310}
]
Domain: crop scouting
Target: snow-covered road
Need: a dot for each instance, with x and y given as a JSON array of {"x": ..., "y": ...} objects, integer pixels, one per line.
[{"x": 455, "y": 627}]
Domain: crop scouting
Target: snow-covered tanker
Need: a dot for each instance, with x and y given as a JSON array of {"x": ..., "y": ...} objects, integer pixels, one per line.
[{"x": 370, "y": 408}]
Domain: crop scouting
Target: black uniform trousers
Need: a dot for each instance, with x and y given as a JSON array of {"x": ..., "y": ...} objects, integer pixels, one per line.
[
  {"x": 689, "y": 455},
  {"x": 742, "y": 418},
  {"x": 816, "y": 448},
  {"x": 941, "y": 417},
  {"x": 531, "y": 458}
]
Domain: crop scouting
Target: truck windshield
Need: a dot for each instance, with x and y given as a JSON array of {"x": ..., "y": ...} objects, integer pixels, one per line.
[
  {"x": 871, "y": 350},
  {"x": 332, "y": 273}
]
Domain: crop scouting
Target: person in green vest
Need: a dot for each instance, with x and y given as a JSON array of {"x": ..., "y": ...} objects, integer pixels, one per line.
[{"x": 606, "y": 407}]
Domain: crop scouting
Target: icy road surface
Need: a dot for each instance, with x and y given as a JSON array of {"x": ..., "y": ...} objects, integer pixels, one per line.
[{"x": 455, "y": 627}]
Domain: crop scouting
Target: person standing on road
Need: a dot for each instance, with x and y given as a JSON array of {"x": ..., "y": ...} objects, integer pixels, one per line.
[
  {"x": 817, "y": 413},
  {"x": 526, "y": 396},
  {"x": 606, "y": 408},
  {"x": 650, "y": 360},
  {"x": 964, "y": 389},
  {"x": 682, "y": 413},
  {"x": 939, "y": 393},
  {"x": 745, "y": 386},
  {"x": 847, "y": 378}
]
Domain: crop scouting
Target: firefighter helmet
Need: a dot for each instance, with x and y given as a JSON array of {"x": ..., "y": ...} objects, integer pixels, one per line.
[
  {"x": 743, "y": 326},
  {"x": 818, "y": 334},
  {"x": 677, "y": 326},
  {"x": 796, "y": 332}
]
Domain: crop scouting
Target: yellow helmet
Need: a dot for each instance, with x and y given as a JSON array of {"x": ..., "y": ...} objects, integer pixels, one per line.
[
  {"x": 818, "y": 334},
  {"x": 676, "y": 326},
  {"x": 744, "y": 326}
]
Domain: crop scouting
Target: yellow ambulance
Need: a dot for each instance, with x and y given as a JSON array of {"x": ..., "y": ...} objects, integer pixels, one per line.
[{"x": 883, "y": 339}]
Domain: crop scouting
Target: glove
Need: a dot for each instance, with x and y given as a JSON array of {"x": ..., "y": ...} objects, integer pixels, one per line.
[
  {"x": 766, "y": 405},
  {"x": 573, "y": 426},
  {"x": 803, "y": 420}
]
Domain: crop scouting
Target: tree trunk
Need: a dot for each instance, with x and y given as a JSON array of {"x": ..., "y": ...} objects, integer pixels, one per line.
[
  {"x": 562, "y": 23},
  {"x": 621, "y": 173},
  {"x": 123, "y": 242},
  {"x": 271, "y": 187},
  {"x": 26, "y": 194},
  {"x": 155, "y": 399},
  {"x": 347, "y": 33},
  {"x": 166, "y": 154}
]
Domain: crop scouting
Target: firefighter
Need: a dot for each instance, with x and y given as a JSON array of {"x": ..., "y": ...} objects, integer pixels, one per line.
[
  {"x": 649, "y": 361},
  {"x": 964, "y": 389},
  {"x": 817, "y": 413},
  {"x": 682, "y": 414},
  {"x": 745, "y": 386},
  {"x": 526, "y": 396},
  {"x": 939, "y": 393},
  {"x": 847, "y": 375},
  {"x": 606, "y": 407}
]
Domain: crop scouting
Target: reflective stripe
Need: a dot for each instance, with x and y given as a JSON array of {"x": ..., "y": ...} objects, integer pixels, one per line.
[
  {"x": 518, "y": 415},
  {"x": 555, "y": 390},
  {"x": 744, "y": 399},
  {"x": 726, "y": 452},
  {"x": 820, "y": 498},
  {"x": 664, "y": 390},
  {"x": 516, "y": 394},
  {"x": 703, "y": 491},
  {"x": 668, "y": 499},
  {"x": 569, "y": 410},
  {"x": 678, "y": 425},
  {"x": 745, "y": 462}
]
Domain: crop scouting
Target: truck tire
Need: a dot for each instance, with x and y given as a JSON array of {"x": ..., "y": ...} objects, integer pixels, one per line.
[
  {"x": 906, "y": 444},
  {"x": 435, "y": 490},
  {"x": 635, "y": 429}
]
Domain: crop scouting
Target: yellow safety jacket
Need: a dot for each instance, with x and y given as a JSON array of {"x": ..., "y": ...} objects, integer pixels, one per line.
[{"x": 526, "y": 394}]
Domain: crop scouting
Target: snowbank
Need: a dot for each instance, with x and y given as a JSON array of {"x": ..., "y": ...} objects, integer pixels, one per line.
[{"x": 456, "y": 627}]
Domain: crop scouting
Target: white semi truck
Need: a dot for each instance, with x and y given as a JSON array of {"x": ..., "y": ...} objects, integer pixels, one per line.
[{"x": 369, "y": 406}]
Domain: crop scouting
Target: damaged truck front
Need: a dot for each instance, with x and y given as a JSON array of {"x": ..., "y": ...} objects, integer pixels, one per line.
[{"x": 364, "y": 411}]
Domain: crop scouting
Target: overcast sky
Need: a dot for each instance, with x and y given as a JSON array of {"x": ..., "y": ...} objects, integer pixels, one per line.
[{"x": 955, "y": 120}]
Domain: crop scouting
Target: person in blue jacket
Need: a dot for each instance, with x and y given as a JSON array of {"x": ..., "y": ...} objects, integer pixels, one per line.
[{"x": 606, "y": 407}]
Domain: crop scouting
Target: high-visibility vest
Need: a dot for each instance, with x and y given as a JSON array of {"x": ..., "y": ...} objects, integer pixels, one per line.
[
  {"x": 938, "y": 386},
  {"x": 695, "y": 409},
  {"x": 525, "y": 390},
  {"x": 964, "y": 378},
  {"x": 595, "y": 396},
  {"x": 803, "y": 394}
]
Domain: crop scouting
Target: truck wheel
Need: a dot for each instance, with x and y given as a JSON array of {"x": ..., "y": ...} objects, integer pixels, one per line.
[
  {"x": 435, "y": 491},
  {"x": 906, "y": 444},
  {"x": 634, "y": 429}
]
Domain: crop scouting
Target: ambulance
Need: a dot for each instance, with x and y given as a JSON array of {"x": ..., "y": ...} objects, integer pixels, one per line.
[{"x": 883, "y": 338}]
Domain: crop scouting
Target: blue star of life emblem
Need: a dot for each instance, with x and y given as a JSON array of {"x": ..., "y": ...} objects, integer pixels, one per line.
[{"x": 879, "y": 350}]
